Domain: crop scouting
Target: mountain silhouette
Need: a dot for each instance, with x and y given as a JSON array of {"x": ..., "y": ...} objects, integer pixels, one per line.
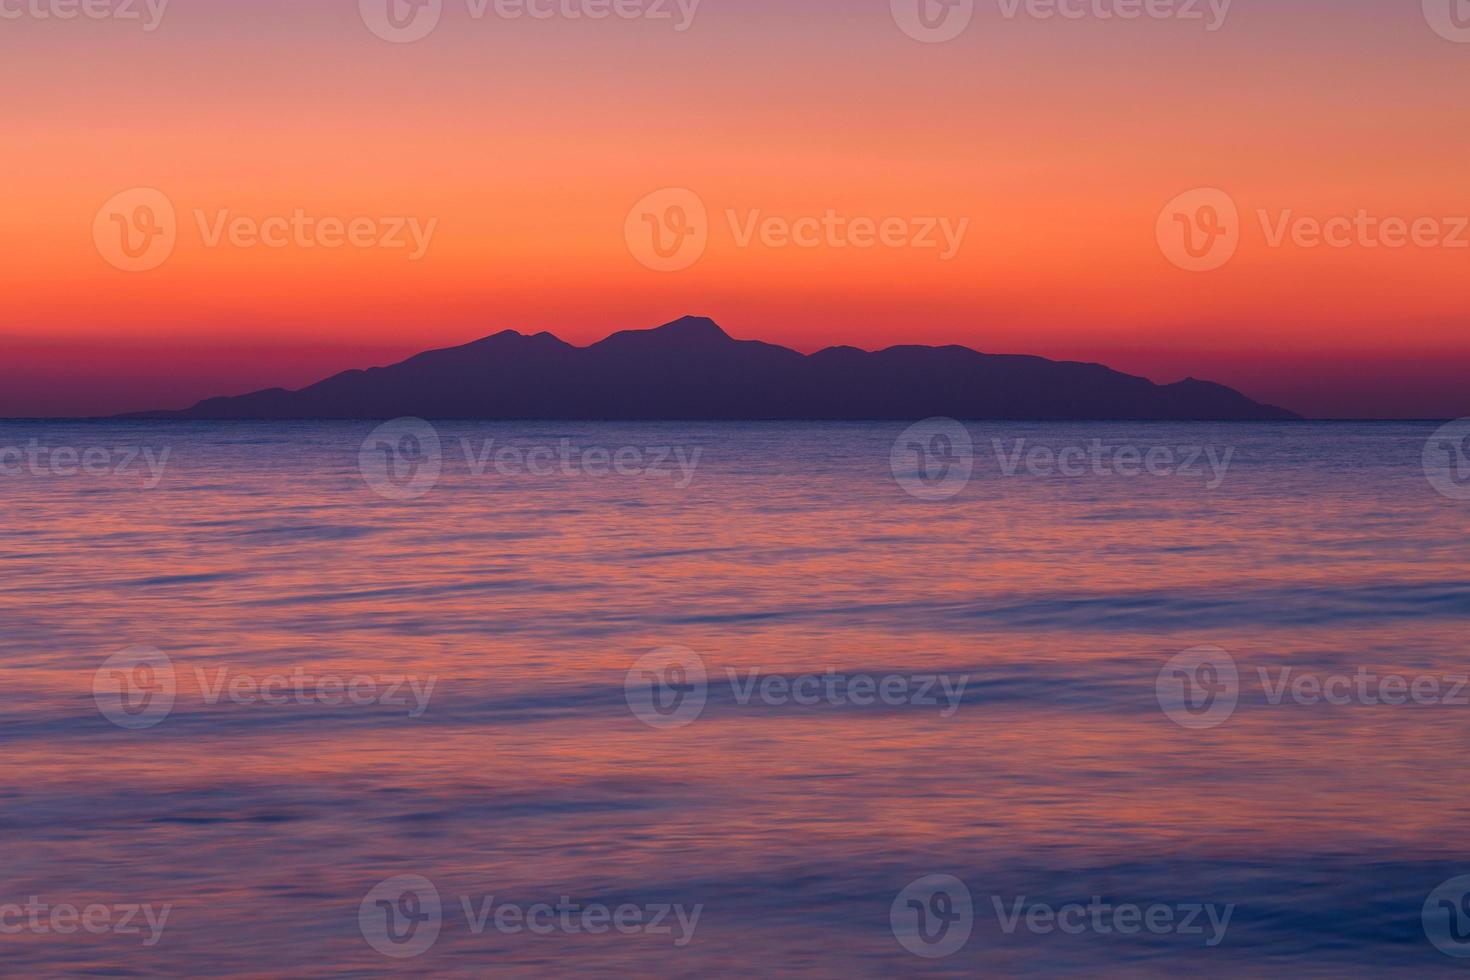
[{"x": 692, "y": 370}]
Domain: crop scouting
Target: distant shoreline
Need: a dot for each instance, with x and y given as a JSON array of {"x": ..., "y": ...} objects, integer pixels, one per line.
[
  {"x": 691, "y": 369},
  {"x": 149, "y": 420}
]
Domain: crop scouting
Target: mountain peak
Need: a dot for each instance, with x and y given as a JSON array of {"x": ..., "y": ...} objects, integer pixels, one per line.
[
  {"x": 693, "y": 326},
  {"x": 501, "y": 337},
  {"x": 698, "y": 333}
]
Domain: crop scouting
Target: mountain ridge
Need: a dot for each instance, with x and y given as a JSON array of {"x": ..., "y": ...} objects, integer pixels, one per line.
[{"x": 691, "y": 369}]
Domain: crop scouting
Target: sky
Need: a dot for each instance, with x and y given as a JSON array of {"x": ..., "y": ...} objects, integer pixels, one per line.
[{"x": 305, "y": 189}]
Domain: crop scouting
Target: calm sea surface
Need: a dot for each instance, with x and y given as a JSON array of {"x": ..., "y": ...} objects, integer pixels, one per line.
[{"x": 859, "y": 689}]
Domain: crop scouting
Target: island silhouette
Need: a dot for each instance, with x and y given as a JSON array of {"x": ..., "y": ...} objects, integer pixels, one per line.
[{"x": 691, "y": 370}]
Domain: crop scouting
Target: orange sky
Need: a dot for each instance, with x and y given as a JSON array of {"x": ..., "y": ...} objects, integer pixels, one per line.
[{"x": 526, "y": 142}]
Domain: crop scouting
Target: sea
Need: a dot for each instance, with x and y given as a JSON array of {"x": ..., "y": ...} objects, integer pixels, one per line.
[{"x": 355, "y": 699}]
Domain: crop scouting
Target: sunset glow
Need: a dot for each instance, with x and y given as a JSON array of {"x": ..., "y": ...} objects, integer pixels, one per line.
[{"x": 526, "y": 142}]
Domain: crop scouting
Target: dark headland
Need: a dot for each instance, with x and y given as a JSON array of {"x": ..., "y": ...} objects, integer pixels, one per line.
[{"x": 692, "y": 370}]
